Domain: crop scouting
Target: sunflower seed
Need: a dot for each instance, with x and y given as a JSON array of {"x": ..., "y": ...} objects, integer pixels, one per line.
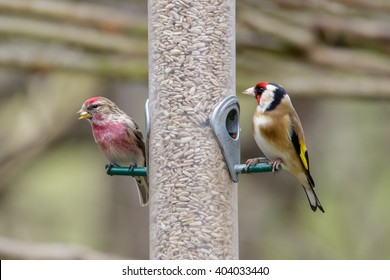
[{"x": 192, "y": 64}]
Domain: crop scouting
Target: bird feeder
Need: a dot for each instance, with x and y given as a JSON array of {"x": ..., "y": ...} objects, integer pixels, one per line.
[{"x": 193, "y": 200}]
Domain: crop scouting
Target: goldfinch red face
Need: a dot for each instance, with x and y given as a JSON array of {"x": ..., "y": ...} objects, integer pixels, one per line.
[{"x": 268, "y": 95}]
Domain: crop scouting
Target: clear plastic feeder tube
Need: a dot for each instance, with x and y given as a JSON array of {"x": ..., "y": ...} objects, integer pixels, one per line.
[{"x": 193, "y": 203}]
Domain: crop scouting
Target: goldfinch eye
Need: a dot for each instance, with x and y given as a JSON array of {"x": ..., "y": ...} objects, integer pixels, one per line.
[{"x": 259, "y": 90}]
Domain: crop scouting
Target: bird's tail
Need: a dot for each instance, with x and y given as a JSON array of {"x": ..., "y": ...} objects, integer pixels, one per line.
[
  {"x": 143, "y": 190},
  {"x": 311, "y": 195},
  {"x": 313, "y": 200}
]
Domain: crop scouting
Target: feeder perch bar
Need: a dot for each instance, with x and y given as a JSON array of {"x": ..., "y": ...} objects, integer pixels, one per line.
[
  {"x": 126, "y": 171},
  {"x": 143, "y": 171}
]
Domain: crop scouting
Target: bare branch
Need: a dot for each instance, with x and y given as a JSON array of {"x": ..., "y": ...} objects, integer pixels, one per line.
[
  {"x": 299, "y": 37},
  {"x": 82, "y": 36},
  {"x": 39, "y": 56},
  {"x": 351, "y": 60},
  {"x": 106, "y": 18},
  {"x": 356, "y": 31},
  {"x": 303, "y": 78},
  {"x": 372, "y": 4}
]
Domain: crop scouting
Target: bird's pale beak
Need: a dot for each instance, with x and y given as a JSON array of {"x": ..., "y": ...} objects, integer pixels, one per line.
[
  {"x": 83, "y": 114},
  {"x": 249, "y": 91}
]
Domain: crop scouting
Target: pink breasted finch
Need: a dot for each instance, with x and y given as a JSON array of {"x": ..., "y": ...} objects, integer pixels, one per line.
[
  {"x": 118, "y": 137},
  {"x": 278, "y": 133}
]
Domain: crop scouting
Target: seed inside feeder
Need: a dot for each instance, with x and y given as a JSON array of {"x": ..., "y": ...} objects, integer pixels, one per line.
[{"x": 192, "y": 59}]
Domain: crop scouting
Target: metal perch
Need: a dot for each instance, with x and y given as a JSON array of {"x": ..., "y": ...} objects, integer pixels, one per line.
[{"x": 143, "y": 171}]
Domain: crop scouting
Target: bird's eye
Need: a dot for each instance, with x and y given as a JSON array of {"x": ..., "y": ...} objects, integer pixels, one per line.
[
  {"x": 93, "y": 106},
  {"x": 259, "y": 90}
]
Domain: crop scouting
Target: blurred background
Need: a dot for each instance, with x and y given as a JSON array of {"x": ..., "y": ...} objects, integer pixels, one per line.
[{"x": 56, "y": 202}]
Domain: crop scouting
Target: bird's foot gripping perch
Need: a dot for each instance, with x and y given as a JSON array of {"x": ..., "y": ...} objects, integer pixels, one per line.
[
  {"x": 276, "y": 165},
  {"x": 132, "y": 167},
  {"x": 252, "y": 161},
  {"x": 109, "y": 166}
]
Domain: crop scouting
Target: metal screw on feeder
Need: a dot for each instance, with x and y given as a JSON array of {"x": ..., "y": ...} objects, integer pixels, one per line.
[{"x": 225, "y": 121}]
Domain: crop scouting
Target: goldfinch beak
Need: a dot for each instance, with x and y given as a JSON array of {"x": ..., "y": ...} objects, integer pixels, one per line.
[
  {"x": 249, "y": 91},
  {"x": 83, "y": 114}
]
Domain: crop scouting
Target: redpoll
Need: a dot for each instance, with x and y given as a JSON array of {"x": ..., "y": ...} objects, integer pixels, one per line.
[
  {"x": 118, "y": 137},
  {"x": 278, "y": 133}
]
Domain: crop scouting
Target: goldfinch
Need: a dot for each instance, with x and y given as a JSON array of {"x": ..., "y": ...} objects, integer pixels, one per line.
[{"x": 278, "y": 133}]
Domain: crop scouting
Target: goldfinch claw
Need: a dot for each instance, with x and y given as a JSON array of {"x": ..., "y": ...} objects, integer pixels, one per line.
[
  {"x": 253, "y": 161},
  {"x": 276, "y": 165}
]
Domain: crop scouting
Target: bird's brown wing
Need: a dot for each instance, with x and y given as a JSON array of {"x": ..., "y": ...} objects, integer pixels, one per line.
[{"x": 137, "y": 134}]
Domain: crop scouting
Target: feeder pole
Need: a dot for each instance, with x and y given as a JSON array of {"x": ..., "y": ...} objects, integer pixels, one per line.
[{"x": 193, "y": 199}]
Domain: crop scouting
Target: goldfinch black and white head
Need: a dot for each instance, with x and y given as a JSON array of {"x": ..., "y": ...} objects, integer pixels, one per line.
[{"x": 268, "y": 95}]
